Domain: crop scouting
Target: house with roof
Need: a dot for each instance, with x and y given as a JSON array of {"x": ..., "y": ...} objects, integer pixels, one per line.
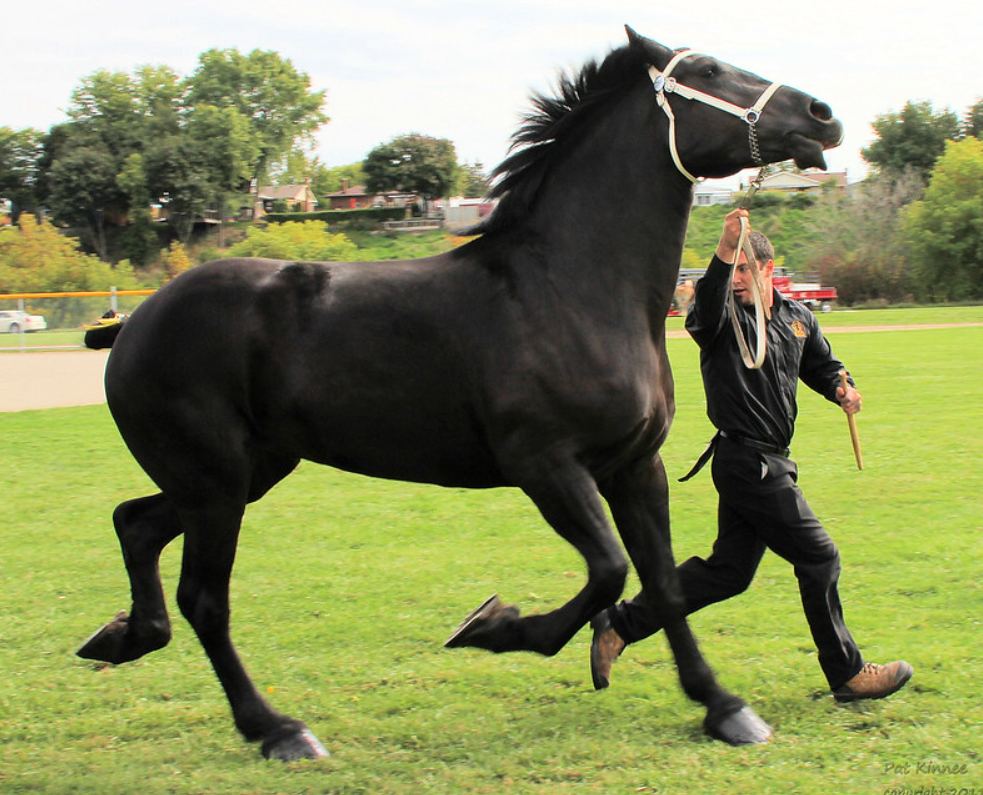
[
  {"x": 356, "y": 197},
  {"x": 350, "y": 197},
  {"x": 708, "y": 194},
  {"x": 806, "y": 181},
  {"x": 298, "y": 198}
]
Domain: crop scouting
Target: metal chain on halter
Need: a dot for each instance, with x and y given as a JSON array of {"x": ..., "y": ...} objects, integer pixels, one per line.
[
  {"x": 752, "y": 134},
  {"x": 759, "y": 178}
]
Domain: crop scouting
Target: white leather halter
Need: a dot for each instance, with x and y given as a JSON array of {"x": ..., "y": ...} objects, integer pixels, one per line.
[{"x": 665, "y": 84}]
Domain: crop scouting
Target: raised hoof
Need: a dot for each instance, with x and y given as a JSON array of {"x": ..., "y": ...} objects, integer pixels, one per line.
[
  {"x": 478, "y": 628},
  {"x": 117, "y": 642},
  {"x": 294, "y": 746},
  {"x": 106, "y": 643},
  {"x": 743, "y": 727}
]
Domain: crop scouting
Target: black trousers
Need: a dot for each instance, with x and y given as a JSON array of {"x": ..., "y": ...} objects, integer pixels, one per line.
[{"x": 760, "y": 507}]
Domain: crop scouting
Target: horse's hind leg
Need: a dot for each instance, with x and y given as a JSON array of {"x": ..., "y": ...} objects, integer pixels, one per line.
[
  {"x": 211, "y": 535},
  {"x": 639, "y": 502},
  {"x": 144, "y": 527}
]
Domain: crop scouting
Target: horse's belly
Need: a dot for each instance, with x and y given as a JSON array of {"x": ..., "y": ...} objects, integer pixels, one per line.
[{"x": 440, "y": 445}]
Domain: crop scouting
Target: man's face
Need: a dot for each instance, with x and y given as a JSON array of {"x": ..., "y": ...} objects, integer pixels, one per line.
[{"x": 741, "y": 285}]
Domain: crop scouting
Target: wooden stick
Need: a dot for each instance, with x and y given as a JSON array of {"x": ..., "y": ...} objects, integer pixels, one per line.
[{"x": 852, "y": 421}]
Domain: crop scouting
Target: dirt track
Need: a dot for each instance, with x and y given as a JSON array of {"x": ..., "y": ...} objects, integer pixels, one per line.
[{"x": 51, "y": 379}]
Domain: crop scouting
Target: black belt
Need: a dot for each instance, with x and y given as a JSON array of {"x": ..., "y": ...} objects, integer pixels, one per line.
[
  {"x": 744, "y": 441},
  {"x": 765, "y": 447}
]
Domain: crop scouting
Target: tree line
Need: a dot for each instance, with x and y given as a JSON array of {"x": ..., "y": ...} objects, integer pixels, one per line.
[
  {"x": 195, "y": 144},
  {"x": 134, "y": 139}
]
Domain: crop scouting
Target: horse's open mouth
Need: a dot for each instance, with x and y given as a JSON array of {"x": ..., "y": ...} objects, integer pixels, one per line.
[{"x": 808, "y": 152}]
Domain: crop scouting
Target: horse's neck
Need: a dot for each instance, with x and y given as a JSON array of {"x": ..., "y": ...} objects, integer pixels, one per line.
[{"x": 617, "y": 210}]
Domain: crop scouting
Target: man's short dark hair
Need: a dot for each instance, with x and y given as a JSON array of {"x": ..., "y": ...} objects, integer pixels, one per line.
[{"x": 762, "y": 247}]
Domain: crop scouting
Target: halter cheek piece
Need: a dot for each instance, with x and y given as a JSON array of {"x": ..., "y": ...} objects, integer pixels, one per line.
[{"x": 664, "y": 84}]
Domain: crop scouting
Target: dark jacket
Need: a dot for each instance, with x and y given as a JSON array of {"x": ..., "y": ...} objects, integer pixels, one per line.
[{"x": 758, "y": 404}]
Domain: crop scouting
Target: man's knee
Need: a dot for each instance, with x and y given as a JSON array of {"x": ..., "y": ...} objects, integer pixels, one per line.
[{"x": 714, "y": 578}]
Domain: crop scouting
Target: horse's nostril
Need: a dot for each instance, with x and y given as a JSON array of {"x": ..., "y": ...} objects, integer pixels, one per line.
[{"x": 821, "y": 110}]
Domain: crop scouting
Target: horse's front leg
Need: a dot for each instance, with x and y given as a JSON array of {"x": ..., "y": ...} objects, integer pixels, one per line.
[
  {"x": 639, "y": 500},
  {"x": 567, "y": 496}
]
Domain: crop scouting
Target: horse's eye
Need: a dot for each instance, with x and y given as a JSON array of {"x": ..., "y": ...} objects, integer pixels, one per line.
[{"x": 711, "y": 71}]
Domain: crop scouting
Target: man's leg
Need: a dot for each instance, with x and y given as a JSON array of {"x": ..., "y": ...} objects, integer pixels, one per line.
[
  {"x": 788, "y": 526},
  {"x": 727, "y": 572}
]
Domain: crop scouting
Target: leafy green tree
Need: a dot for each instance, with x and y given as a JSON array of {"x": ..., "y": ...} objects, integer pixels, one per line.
[
  {"x": 20, "y": 159},
  {"x": 198, "y": 141},
  {"x": 944, "y": 231},
  {"x": 226, "y": 147},
  {"x": 973, "y": 122},
  {"x": 412, "y": 163},
  {"x": 858, "y": 246},
  {"x": 138, "y": 242},
  {"x": 304, "y": 241},
  {"x": 268, "y": 91},
  {"x": 91, "y": 179},
  {"x": 83, "y": 191},
  {"x": 474, "y": 181},
  {"x": 911, "y": 139},
  {"x": 179, "y": 178},
  {"x": 331, "y": 180}
]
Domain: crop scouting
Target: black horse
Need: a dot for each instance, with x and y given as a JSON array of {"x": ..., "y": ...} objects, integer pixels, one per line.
[{"x": 532, "y": 357}]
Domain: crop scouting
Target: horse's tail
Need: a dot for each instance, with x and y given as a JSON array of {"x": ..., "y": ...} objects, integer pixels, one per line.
[{"x": 103, "y": 336}]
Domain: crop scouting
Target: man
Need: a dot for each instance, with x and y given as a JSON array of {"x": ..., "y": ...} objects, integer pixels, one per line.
[{"x": 760, "y": 505}]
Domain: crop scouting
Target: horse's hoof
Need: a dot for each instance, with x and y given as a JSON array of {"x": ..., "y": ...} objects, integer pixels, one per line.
[
  {"x": 106, "y": 643},
  {"x": 743, "y": 727},
  {"x": 123, "y": 640},
  {"x": 294, "y": 746},
  {"x": 479, "y": 628}
]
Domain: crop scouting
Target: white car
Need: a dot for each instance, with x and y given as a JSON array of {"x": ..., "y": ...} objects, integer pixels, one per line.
[{"x": 13, "y": 322}]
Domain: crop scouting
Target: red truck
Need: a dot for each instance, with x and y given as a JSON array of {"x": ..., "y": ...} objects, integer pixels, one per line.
[{"x": 810, "y": 293}]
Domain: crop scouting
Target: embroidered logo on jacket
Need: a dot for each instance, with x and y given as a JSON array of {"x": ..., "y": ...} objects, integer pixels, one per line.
[{"x": 798, "y": 328}]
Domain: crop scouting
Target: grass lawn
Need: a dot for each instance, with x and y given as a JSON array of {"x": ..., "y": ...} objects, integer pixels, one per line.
[{"x": 345, "y": 589}]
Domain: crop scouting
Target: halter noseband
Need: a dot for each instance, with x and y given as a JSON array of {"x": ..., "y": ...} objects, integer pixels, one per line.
[{"x": 664, "y": 84}]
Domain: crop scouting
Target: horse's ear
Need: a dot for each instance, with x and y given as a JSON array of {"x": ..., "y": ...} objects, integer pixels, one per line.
[{"x": 654, "y": 53}]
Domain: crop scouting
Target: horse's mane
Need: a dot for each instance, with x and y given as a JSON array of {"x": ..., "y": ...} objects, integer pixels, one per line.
[{"x": 549, "y": 126}]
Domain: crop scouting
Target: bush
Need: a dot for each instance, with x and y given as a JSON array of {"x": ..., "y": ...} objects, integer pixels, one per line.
[
  {"x": 306, "y": 241},
  {"x": 37, "y": 258}
]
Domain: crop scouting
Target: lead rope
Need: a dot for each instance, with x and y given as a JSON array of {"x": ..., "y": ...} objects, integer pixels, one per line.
[{"x": 761, "y": 310}]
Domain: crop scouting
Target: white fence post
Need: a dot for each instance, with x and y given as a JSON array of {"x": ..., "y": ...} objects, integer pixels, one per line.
[{"x": 23, "y": 341}]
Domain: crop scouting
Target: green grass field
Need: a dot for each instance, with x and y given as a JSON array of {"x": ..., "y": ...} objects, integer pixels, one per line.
[{"x": 345, "y": 589}]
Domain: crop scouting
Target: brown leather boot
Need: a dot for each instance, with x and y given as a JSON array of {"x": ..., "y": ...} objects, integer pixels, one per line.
[
  {"x": 605, "y": 647},
  {"x": 875, "y": 681}
]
